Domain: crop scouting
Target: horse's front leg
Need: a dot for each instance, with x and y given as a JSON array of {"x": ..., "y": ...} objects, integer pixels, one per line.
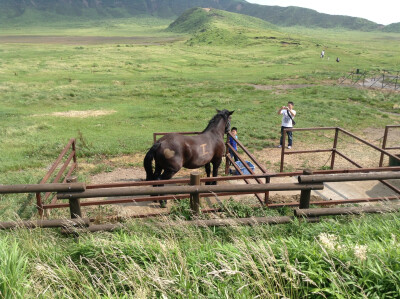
[
  {"x": 208, "y": 172},
  {"x": 216, "y": 165}
]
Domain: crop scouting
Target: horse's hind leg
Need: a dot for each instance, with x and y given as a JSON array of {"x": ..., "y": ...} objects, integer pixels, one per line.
[
  {"x": 167, "y": 174},
  {"x": 216, "y": 165},
  {"x": 156, "y": 176},
  {"x": 208, "y": 171}
]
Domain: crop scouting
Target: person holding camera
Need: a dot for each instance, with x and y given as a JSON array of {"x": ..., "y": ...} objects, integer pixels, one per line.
[{"x": 287, "y": 122}]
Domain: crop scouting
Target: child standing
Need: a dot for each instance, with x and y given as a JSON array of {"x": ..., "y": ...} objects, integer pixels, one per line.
[{"x": 233, "y": 143}]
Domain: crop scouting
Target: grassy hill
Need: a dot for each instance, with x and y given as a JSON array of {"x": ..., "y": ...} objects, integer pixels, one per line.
[
  {"x": 395, "y": 27},
  {"x": 218, "y": 27},
  {"x": 44, "y": 10}
]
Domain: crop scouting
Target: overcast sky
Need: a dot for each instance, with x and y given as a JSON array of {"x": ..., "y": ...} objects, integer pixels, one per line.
[{"x": 382, "y": 12}]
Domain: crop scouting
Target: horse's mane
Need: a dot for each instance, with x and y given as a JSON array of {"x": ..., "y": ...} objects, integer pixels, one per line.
[{"x": 214, "y": 121}]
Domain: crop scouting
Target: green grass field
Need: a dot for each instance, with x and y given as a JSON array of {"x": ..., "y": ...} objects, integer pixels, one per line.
[
  {"x": 166, "y": 81},
  {"x": 175, "y": 86}
]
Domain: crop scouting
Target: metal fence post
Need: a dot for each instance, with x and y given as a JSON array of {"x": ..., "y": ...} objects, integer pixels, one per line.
[
  {"x": 194, "y": 197},
  {"x": 383, "y": 145},
  {"x": 334, "y": 148},
  {"x": 283, "y": 150},
  {"x": 266, "y": 198},
  {"x": 226, "y": 155},
  {"x": 39, "y": 204},
  {"x": 305, "y": 195},
  {"x": 74, "y": 150},
  {"x": 74, "y": 203}
]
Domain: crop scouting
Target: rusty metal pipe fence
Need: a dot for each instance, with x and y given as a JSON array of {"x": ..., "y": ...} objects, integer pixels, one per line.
[
  {"x": 66, "y": 163},
  {"x": 66, "y": 167},
  {"x": 308, "y": 183},
  {"x": 265, "y": 175},
  {"x": 230, "y": 161},
  {"x": 334, "y": 149},
  {"x": 384, "y": 142}
]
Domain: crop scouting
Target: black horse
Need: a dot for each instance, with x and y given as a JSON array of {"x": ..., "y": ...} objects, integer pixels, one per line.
[{"x": 174, "y": 151}]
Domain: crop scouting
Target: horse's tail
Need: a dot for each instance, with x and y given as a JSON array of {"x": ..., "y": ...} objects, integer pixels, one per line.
[{"x": 148, "y": 161}]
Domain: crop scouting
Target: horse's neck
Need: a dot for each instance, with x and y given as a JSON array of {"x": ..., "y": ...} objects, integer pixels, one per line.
[{"x": 218, "y": 130}]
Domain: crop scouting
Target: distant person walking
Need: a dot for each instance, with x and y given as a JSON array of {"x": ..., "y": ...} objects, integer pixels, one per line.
[
  {"x": 287, "y": 122},
  {"x": 322, "y": 53}
]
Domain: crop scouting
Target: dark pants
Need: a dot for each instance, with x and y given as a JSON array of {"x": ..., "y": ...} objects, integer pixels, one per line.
[
  {"x": 233, "y": 155},
  {"x": 290, "y": 136}
]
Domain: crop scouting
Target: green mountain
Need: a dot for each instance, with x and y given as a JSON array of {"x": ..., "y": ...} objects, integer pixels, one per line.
[
  {"x": 50, "y": 10},
  {"x": 218, "y": 27},
  {"x": 395, "y": 27},
  {"x": 298, "y": 16},
  {"x": 109, "y": 8},
  {"x": 199, "y": 19}
]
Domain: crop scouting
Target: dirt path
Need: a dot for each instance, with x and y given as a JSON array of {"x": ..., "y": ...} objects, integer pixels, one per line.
[{"x": 85, "y": 40}]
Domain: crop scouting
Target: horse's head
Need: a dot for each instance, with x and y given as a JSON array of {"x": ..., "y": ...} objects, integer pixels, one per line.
[
  {"x": 226, "y": 114},
  {"x": 222, "y": 120}
]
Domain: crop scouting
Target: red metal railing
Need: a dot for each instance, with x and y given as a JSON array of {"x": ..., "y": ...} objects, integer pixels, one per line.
[
  {"x": 229, "y": 161},
  {"x": 66, "y": 167},
  {"x": 335, "y": 151},
  {"x": 258, "y": 177},
  {"x": 384, "y": 143},
  {"x": 203, "y": 180}
]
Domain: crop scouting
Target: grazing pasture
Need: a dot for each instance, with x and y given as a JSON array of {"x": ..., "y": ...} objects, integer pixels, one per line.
[{"x": 139, "y": 78}]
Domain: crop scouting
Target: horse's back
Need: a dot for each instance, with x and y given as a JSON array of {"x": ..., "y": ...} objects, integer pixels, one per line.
[
  {"x": 177, "y": 150},
  {"x": 170, "y": 151}
]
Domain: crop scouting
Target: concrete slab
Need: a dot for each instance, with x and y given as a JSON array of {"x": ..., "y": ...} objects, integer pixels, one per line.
[{"x": 344, "y": 190}]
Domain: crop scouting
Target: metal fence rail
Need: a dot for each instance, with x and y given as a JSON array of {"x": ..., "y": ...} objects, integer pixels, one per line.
[
  {"x": 334, "y": 149},
  {"x": 67, "y": 166},
  {"x": 69, "y": 155}
]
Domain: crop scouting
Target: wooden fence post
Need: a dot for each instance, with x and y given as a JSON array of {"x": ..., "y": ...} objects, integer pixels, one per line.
[
  {"x": 74, "y": 203},
  {"x": 305, "y": 195},
  {"x": 194, "y": 197}
]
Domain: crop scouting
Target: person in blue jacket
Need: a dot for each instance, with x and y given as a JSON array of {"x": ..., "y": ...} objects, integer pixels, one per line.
[{"x": 233, "y": 143}]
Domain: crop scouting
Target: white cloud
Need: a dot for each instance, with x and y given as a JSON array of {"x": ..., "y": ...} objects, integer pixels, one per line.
[{"x": 382, "y": 11}]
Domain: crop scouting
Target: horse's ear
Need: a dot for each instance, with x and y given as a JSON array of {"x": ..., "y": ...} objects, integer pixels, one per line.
[
  {"x": 218, "y": 111},
  {"x": 231, "y": 112}
]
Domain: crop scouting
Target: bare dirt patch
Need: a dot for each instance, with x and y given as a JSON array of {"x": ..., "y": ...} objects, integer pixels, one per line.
[
  {"x": 79, "y": 114},
  {"x": 86, "y": 40},
  {"x": 284, "y": 86}
]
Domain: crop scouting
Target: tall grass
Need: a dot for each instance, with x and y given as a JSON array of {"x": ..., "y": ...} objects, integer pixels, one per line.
[
  {"x": 14, "y": 281},
  {"x": 342, "y": 257}
]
